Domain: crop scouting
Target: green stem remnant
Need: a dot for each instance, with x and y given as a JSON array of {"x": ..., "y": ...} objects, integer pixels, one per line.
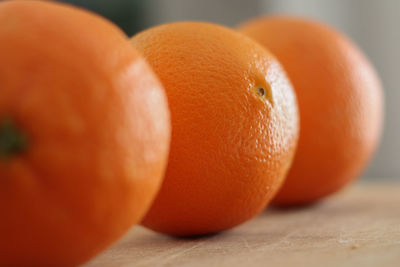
[{"x": 12, "y": 139}]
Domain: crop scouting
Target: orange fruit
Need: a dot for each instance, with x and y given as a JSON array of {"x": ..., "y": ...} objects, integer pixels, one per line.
[
  {"x": 340, "y": 103},
  {"x": 234, "y": 126},
  {"x": 84, "y": 134}
]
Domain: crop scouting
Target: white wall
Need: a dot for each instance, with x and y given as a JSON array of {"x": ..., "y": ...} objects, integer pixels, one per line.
[{"x": 227, "y": 12}]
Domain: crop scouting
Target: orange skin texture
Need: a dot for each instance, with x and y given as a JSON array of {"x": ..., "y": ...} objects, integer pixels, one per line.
[
  {"x": 230, "y": 147},
  {"x": 340, "y": 101},
  {"x": 98, "y": 130}
]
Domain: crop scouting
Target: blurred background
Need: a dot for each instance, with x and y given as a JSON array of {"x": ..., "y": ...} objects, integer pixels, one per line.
[{"x": 373, "y": 25}]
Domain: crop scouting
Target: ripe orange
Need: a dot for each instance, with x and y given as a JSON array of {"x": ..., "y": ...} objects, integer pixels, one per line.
[
  {"x": 84, "y": 134},
  {"x": 340, "y": 102},
  {"x": 234, "y": 126}
]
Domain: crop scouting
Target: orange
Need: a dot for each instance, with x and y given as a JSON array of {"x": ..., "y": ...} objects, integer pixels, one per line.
[
  {"x": 84, "y": 134},
  {"x": 234, "y": 126},
  {"x": 340, "y": 102}
]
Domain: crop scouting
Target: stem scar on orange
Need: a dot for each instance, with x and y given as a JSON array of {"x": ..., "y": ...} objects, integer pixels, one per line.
[
  {"x": 12, "y": 140},
  {"x": 84, "y": 134},
  {"x": 340, "y": 102},
  {"x": 234, "y": 126}
]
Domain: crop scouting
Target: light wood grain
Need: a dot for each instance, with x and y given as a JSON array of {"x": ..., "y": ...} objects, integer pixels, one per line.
[{"x": 358, "y": 227}]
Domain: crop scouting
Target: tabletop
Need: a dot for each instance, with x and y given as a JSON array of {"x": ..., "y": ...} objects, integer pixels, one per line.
[{"x": 359, "y": 226}]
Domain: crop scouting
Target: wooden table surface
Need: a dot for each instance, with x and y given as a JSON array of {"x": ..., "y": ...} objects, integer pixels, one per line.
[{"x": 357, "y": 227}]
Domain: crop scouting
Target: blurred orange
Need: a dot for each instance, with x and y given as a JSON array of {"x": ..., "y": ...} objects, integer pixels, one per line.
[
  {"x": 340, "y": 102},
  {"x": 84, "y": 134}
]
